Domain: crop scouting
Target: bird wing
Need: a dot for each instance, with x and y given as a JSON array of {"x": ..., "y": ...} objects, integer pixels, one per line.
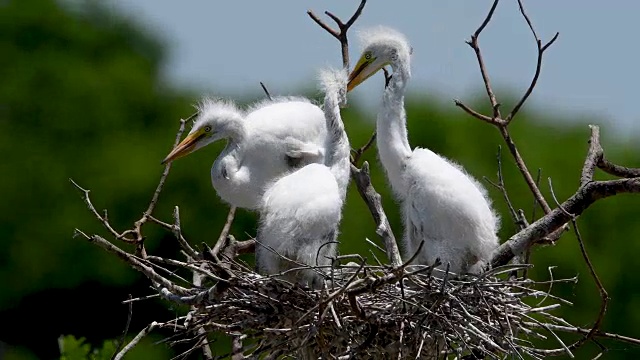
[
  {"x": 300, "y": 152},
  {"x": 299, "y": 126}
]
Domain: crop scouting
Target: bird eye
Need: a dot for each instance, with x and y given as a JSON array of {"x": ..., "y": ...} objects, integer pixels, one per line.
[
  {"x": 367, "y": 56},
  {"x": 207, "y": 128}
]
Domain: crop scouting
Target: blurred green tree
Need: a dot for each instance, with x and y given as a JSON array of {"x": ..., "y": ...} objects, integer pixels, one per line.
[{"x": 82, "y": 96}]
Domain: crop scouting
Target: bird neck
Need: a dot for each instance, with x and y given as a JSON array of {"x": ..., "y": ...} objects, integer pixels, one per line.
[
  {"x": 235, "y": 130},
  {"x": 337, "y": 143},
  {"x": 392, "y": 138}
]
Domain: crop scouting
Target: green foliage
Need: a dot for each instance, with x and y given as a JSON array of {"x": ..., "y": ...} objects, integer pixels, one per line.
[
  {"x": 72, "y": 348},
  {"x": 81, "y": 96},
  {"x": 77, "y": 349}
]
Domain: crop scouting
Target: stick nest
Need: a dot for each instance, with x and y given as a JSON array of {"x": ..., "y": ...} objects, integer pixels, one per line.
[{"x": 377, "y": 312}]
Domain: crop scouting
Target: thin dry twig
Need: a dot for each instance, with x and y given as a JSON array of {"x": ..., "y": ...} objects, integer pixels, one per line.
[
  {"x": 374, "y": 203},
  {"x": 496, "y": 118},
  {"x": 126, "y": 329},
  {"x": 222, "y": 238},
  {"x": 266, "y": 92},
  {"x": 144, "y": 332},
  {"x": 587, "y": 194},
  {"x": 341, "y": 33},
  {"x": 103, "y": 219},
  {"x": 517, "y": 219},
  {"x": 177, "y": 231},
  {"x": 133, "y": 262},
  {"x": 357, "y": 154},
  {"x": 201, "y": 331},
  {"x": 604, "y": 296},
  {"x": 137, "y": 230}
]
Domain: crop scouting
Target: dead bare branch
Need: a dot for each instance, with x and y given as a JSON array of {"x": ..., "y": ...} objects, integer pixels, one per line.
[
  {"x": 266, "y": 92},
  {"x": 596, "y": 159},
  {"x": 341, "y": 33},
  {"x": 483, "y": 70},
  {"x": 222, "y": 238},
  {"x": 604, "y": 296},
  {"x": 496, "y": 118},
  {"x": 120, "y": 342},
  {"x": 103, "y": 219},
  {"x": 144, "y": 332},
  {"x": 556, "y": 219},
  {"x": 133, "y": 262},
  {"x": 201, "y": 331},
  {"x": 517, "y": 219},
  {"x": 541, "y": 50},
  {"x": 357, "y": 154},
  {"x": 374, "y": 203}
]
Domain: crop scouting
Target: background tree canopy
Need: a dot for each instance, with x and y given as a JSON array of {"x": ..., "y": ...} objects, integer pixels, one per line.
[{"x": 83, "y": 98}]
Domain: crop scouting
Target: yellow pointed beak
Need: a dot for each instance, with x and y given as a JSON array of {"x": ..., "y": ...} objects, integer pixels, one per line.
[
  {"x": 363, "y": 70},
  {"x": 185, "y": 147}
]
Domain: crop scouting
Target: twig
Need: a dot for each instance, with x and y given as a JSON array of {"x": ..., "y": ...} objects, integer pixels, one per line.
[
  {"x": 234, "y": 248},
  {"x": 103, "y": 219},
  {"x": 357, "y": 154},
  {"x": 204, "y": 344},
  {"x": 483, "y": 70},
  {"x": 152, "y": 296},
  {"x": 617, "y": 170},
  {"x": 500, "y": 186},
  {"x": 135, "y": 263},
  {"x": 137, "y": 230},
  {"x": 595, "y": 158},
  {"x": 266, "y": 91},
  {"x": 144, "y": 332},
  {"x": 604, "y": 296},
  {"x": 535, "y": 201},
  {"x": 236, "y": 348},
  {"x": 126, "y": 329},
  {"x": 374, "y": 203},
  {"x": 222, "y": 238},
  {"x": 541, "y": 50},
  {"x": 341, "y": 33},
  {"x": 165, "y": 172},
  {"x": 556, "y": 219},
  {"x": 177, "y": 231},
  {"x": 496, "y": 119},
  {"x": 522, "y": 166}
]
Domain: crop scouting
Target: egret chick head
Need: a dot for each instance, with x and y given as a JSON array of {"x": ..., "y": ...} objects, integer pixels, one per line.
[
  {"x": 217, "y": 119},
  {"x": 382, "y": 46},
  {"x": 334, "y": 81}
]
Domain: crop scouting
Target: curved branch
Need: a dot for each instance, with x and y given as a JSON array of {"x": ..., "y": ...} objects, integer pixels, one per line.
[
  {"x": 374, "y": 203},
  {"x": 575, "y": 205}
]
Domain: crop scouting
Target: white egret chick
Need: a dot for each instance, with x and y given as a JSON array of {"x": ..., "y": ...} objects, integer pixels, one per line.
[
  {"x": 441, "y": 204},
  {"x": 264, "y": 143},
  {"x": 301, "y": 211}
]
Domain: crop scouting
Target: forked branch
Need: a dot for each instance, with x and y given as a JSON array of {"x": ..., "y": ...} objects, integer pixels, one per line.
[
  {"x": 589, "y": 192},
  {"x": 361, "y": 176},
  {"x": 341, "y": 33},
  {"x": 496, "y": 118}
]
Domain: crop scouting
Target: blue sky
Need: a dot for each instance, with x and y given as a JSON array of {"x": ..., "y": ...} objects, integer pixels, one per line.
[{"x": 591, "y": 72}]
